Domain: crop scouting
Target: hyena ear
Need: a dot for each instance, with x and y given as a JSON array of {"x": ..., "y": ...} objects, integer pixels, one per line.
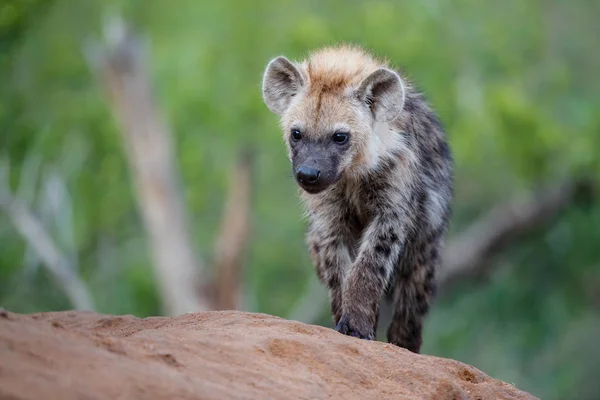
[
  {"x": 383, "y": 91},
  {"x": 281, "y": 82}
]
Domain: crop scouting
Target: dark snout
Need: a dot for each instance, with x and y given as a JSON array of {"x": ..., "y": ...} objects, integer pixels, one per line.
[
  {"x": 310, "y": 179},
  {"x": 315, "y": 164},
  {"x": 307, "y": 175}
]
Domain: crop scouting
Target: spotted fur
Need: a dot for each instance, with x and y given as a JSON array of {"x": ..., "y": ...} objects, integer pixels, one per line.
[{"x": 378, "y": 223}]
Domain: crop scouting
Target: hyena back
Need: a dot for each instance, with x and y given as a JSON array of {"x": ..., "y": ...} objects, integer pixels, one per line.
[{"x": 375, "y": 172}]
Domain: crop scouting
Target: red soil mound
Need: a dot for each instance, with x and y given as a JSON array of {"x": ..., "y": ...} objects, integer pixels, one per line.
[{"x": 217, "y": 355}]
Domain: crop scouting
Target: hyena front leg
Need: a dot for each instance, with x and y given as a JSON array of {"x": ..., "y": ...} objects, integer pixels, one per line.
[
  {"x": 331, "y": 259},
  {"x": 414, "y": 291},
  {"x": 369, "y": 276}
]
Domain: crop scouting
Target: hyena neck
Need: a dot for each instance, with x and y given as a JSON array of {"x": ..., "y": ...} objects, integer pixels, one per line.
[
  {"x": 386, "y": 141},
  {"x": 349, "y": 194}
]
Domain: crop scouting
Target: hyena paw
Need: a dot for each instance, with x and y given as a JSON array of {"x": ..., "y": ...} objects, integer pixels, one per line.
[{"x": 359, "y": 330}]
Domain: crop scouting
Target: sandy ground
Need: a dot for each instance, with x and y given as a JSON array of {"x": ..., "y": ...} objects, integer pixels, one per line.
[{"x": 217, "y": 355}]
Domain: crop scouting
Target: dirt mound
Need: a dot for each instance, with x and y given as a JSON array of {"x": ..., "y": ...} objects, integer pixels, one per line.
[{"x": 217, "y": 355}]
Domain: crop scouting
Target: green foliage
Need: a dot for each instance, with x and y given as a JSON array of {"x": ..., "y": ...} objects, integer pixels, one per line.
[{"x": 514, "y": 83}]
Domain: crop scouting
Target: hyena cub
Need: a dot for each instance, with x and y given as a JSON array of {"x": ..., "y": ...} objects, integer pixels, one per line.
[{"x": 376, "y": 173}]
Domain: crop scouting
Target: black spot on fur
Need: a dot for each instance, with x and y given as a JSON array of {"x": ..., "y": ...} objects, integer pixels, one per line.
[
  {"x": 328, "y": 264},
  {"x": 422, "y": 305},
  {"x": 433, "y": 121},
  {"x": 387, "y": 165},
  {"x": 445, "y": 151},
  {"x": 422, "y": 197},
  {"x": 333, "y": 281},
  {"x": 421, "y": 247},
  {"x": 430, "y": 284},
  {"x": 321, "y": 274},
  {"x": 378, "y": 187},
  {"x": 409, "y": 105},
  {"x": 427, "y": 159},
  {"x": 383, "y": 249},
  {"x": 405, "y": 271},
  {"x": 434, "y": 235},
  {"x": 430, "y": 274},
  {"x": 433, "y": 253},
  {"x": 430, "y": 288}
]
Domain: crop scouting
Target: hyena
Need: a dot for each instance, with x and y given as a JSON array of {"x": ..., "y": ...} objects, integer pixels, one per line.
[{"x": 376, "y": 176}]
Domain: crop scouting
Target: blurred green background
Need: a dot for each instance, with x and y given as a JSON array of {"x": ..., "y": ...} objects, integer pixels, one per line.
[{"x": 515, "y": 83}]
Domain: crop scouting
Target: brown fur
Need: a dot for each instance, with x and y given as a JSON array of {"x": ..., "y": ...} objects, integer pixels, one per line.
[{"x": 379, "y": 208}]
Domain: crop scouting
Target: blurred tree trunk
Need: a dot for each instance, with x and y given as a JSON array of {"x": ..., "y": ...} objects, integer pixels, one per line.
[
  {"x": 148, "y": 144},
  {"x": 122, "y": 67},
  {"x": 232, "y": 240}
]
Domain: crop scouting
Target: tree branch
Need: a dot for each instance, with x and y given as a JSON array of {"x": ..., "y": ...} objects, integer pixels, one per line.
[
  {"x": 470, "y": 253},
  {"x": 36, "y": 236}
]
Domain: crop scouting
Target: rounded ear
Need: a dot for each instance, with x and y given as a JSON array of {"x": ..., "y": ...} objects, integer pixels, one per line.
[
  {"x": 281, "y": 82},
  {"x": 384, "y": 93}
]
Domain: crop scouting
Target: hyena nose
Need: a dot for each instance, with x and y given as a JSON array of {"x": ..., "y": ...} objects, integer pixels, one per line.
[{"x": 308, "y": 175}]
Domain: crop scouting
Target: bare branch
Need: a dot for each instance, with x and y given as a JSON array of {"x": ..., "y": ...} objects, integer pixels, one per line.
[
  {"x": 122, "y": 67},
  {"x": 233, "y": 237},
  {"x": 470, "y": 252},
  {"x": 36, "y": 236}
]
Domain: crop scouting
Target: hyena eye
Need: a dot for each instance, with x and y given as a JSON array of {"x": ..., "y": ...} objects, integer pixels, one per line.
[
  {"x": 340, "y": 137},
  {"x": 296, "y": 134}
]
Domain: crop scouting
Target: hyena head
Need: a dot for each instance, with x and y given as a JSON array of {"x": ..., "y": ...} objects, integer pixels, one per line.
[{"x": 331, "y": 106}]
